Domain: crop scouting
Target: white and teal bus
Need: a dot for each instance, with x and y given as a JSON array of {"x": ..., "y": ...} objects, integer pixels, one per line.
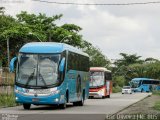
[{"x": 49, "y": 73}]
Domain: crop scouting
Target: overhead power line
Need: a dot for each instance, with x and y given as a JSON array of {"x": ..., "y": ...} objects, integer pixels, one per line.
[{"x": 98, "y": 4}]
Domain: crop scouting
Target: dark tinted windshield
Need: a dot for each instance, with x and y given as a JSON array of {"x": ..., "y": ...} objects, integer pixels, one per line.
[
  {"x": 38, "y": 70},
  {"x": 126, "y": 87}
]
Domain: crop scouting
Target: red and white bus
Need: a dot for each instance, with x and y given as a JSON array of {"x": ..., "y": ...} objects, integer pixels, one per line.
[{"x": 100, "y": 82}]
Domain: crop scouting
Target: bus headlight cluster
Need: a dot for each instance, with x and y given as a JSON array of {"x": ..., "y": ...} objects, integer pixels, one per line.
[
  {"x": 18, "y": 90},
  {"x": 54, "y": 91},
  {"x": 101, "y": 92}
]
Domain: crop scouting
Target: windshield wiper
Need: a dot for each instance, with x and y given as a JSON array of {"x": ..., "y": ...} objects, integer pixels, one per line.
[
  {"x": 42, "y": 79},
  {"x": 30, "y": 78}
]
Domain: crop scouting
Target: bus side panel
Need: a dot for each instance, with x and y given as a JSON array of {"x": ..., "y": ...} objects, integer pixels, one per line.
[
  {"x": 108, "y": 87},
  {"x": 71, "y": 81},
  {"x": 144, "y": 88},
  {"x": 85, "y": 84},
  {"x": 73, "y": 86}
]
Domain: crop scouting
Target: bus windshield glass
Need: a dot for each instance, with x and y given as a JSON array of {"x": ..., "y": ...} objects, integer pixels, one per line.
[
  {"x": 96, "y": 79},
  {"x": 38, "y": 69},
  {"x": 135, "y": 84}
]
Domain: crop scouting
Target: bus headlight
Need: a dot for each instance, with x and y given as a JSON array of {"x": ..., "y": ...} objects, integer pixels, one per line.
[
  {"x": 54, "y": 91},
  {"x": 101, "y": 92},
  {"x": 18, "y": 90}
]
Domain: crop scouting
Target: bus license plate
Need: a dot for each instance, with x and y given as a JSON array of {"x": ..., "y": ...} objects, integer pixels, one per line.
[{"x": 35, "y": 99}]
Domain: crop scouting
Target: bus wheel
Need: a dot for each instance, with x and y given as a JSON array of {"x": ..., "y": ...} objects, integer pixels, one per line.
[
  {"x": 142, "y": 90},
  {"x": 75, "y": 104},
  {"x": 81, "y": 103},
  {"x": 108, "y": 96},
  {"x": 63, "y": 106},
  {"x": 26, "y": 106}
]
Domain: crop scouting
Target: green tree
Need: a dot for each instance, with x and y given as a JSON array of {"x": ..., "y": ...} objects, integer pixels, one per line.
[
  {"x": 149, "y": 70},
  {"x": 30, "y": 27},
  {"x": 128, "y": 59},
  {"x": 2, "y": 10},
  {"x": 97, "y": 59},
  {"x": 6, "y": 23},
  {"x": 150, "y": 59},
  {"x": 45, "y": 28},
  {"x": 122, "y": 66}
]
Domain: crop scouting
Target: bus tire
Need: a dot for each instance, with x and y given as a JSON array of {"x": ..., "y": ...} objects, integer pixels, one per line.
[
  {"x": 75, "y": 103},
  {"x": 64, "y": 105},
  {"x": 108, "y": 96},
  {"x": 142, "y": 90},
  {"x": 26, "y": 106},
  {"x": 81, "y": 103}
]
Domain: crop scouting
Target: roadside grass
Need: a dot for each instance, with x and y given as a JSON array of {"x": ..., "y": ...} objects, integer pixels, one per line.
[
  {"x": 7, "y": 100},
  {"x": 156, "y": 104},
  {"x": 156, "y": 92}
]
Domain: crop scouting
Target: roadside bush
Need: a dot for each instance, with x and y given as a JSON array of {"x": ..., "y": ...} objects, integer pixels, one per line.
[
  {"x": 7, "y": 100},
  {"x": 156, "y": 92},
  {"x": 116, "y": 89},
  {"x": 119, "y": 81}
]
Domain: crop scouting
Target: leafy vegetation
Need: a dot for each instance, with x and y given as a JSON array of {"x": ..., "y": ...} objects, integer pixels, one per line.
[
  {"x": 131, "y": 66},
  {"x": 31, "y": 28},
  {"x": 157, "y": 106},
  {"x": 155, "y": 92},
  {"x": 7, "y": 100},
  {"x": 27, "y": 27},
  {"x": 116, "y": 89}
]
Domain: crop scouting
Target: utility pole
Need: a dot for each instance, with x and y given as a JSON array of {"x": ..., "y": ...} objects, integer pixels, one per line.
[{"x": 8, "y": 54}]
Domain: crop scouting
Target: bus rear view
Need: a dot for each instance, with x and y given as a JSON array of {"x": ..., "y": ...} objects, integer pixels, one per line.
[{"x": 100, "y": 82}]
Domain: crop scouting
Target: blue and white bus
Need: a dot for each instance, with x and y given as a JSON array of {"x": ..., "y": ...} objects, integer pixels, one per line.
[
  {"x": 144, "y": 84},
  {"x": 51, "y": 73}
]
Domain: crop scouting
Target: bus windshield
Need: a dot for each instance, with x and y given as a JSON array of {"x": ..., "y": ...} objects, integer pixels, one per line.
[
  {"x": 38, "y": 69},
  {"x": 96, "y": 79},
  {"x": 134, "y": 84}
]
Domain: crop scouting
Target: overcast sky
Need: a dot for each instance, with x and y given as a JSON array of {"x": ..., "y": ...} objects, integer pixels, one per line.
[{"x": 114, "y": 29}]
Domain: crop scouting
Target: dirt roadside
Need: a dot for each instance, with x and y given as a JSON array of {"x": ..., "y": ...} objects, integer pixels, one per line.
[
  {"x": 144, "y": 106},
  {"x": 142, "y": 110}
]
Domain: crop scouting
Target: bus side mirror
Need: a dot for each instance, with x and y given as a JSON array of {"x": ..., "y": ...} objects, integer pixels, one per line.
[
  {"x": 62, "y": 65},
  {"x": 12, "y": 63}
]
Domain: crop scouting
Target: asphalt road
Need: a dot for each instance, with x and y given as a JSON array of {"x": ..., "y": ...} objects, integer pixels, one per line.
[{"x": 94, "y": 109}]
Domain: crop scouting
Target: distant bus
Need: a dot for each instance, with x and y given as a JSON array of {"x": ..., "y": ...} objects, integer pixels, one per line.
[
  {"x": 51, "y": 73},
  {"x": 100, "y": 82},
  {"x": 144, "y": 84}
]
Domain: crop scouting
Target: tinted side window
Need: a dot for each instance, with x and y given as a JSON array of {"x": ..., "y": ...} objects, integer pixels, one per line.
[
  {"x": 77, "y": 62},
  {"x": 108, "y": 76}
]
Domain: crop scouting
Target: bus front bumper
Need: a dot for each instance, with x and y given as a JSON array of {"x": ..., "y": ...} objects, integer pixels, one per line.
[
  {"x": 40, "y": 100},
  {"x": 95, "y": 94}
]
